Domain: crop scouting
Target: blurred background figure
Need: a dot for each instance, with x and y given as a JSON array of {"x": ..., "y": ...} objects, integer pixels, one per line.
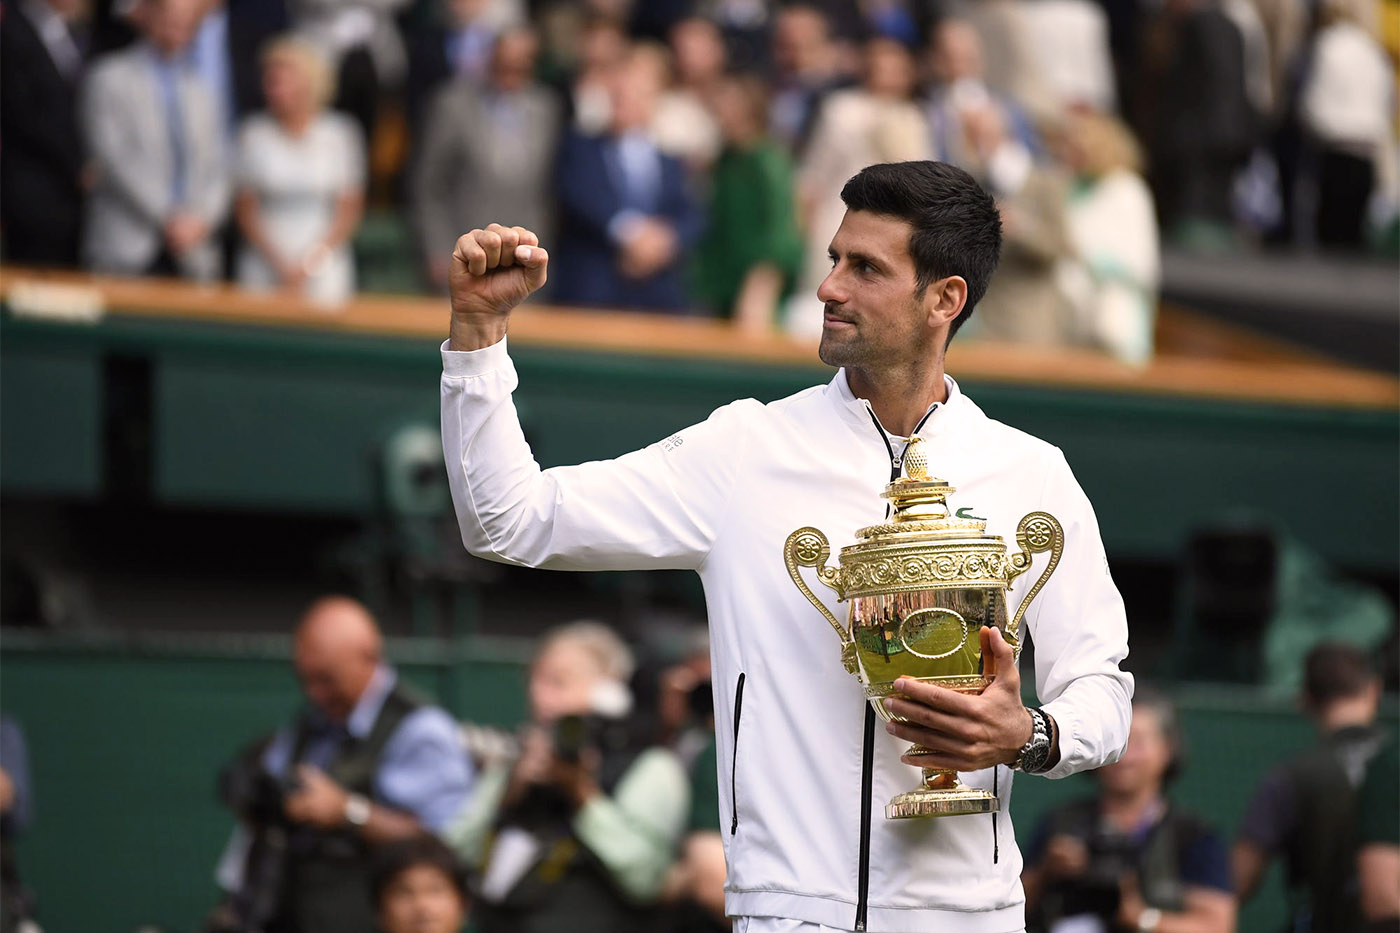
[
  {"x": 807, "y": 65},
  {"x": 751, "y": 252},
  {"x": 301, "y": 178},
  {"x": 1112, "y": 280},
  {"x": 1305, "y": 811},
  {"x": 487, "y": 154},
  {"x": 1193, "y": 113},
  {"x": 457, "y": 42},
  {"x": 625, "y": 211},
  {"x": 876, "y": 122},
  {"x": 17, "y": 904},
  {"x": 419, "y": 887},
  {"x": 1348, "y": 112},
  {"x": 365, "y": 764},
  {"x": 42, "y": 56},
  {"x": 1129, "y": 859},
  {"x": 577, "y": 833},
  {"x": 684, "y": 126},
  {"x": 159, "y": 153},
  {"x": 694, "y": 889},
  {"x": 601, "y": 47},
  {"x": 362, "y": 41},
  {"x": 1378, "y": 839},
  {"x": 1070, "y": 56},
  {"x": 973, "y": 127}
]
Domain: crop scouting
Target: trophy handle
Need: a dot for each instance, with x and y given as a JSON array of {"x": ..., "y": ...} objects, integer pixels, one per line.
[
  {"x": 1038, "y": 531},
  {"x": 808, "y": 547}
]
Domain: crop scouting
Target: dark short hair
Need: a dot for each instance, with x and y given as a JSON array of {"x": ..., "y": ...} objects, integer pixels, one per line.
[
  {"x": 393, "y": 859},
  {"x": 957, "y": 228},
  {"x": 1333, "y": 671}
]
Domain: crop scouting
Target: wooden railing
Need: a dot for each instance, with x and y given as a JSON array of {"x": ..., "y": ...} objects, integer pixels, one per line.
[{"x": 1197, "y": 357}]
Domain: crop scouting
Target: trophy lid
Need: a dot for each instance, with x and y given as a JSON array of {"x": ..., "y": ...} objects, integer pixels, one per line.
[{"x": 920, "y": 502}]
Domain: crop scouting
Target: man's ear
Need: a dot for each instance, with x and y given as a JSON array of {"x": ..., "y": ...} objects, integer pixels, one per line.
[{"x": 944, "y": 300}]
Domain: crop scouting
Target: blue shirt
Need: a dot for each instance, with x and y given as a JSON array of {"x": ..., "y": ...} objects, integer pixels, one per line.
[{"x": 424, "y": 770}]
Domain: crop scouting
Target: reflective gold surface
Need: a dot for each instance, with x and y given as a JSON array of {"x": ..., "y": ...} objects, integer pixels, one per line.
[{"x": 921, "y": 586}]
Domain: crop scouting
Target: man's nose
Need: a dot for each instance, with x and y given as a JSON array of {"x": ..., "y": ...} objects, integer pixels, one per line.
[{"x": 831, "y": 290}]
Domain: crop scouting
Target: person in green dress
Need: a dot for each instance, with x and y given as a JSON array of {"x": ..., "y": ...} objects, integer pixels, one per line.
[{"x": 751, "y": 252}]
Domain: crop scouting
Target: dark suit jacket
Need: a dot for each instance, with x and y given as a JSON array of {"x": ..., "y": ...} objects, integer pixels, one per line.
[
  {"x": 585, "y": 266},
  {"x": 41, "y": 159}
]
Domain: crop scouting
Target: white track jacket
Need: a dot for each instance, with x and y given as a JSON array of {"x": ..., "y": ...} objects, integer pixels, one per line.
[{"x": 804, "y": 775}]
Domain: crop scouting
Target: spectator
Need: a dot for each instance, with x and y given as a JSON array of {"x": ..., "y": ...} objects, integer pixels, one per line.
[
  {"x": 1112, "y": 227},
  {"x": 1306, "y": 810},
  {"x": 973, "y": 127},
  {"x": 684, "y": 127},
  {"x": 695, "y": 884},
  {"x": 1347, "y": 103},
  {"x": 1071, "y": 60},
  {"x": 16, "y": 815},
  {"x": 807, "y": 66},
  {"x": 458, "y": 42},
  {"x": 602, "y": 46},
  {"x": 487, "y": 154},
  {"x": 579, "y": 832},
  {"x": 751, "y": 252},
  {"x": 1009, "y": 56},
  {"x": 160, "y": 162},
  {"x": 877, "y": 122},
  {"x": 367, "y": 763},
  {"x": 1025, "y": 302},
  {"x": 1378, "y": 830},
  {"x": 301, "y": 182},
  {"x": 362, "y": 41},
  {"x": 419, "y": 887},
  {"x": 1129, "y": 859},
  {"x": 1194, "y": 116},
  {"x": 626, "y": 215},
  {"x": 41, "y": 161}
]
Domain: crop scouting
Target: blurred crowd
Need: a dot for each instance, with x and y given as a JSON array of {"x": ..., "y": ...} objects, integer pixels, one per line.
[
  {"x": 686, "y": 156},
  {"x": 372, "y": 811}
]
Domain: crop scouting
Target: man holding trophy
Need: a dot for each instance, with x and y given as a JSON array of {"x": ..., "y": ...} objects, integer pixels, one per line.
[{"x": 827, "y": 814}]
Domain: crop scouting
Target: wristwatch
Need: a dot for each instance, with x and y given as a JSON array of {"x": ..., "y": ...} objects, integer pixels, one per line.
[
  {"x": 1035, "y": 754},
  {"x": 357, "y": 809}
]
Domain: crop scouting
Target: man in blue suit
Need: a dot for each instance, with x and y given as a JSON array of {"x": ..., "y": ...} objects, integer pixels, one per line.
[{"x": 626, "y": 217}]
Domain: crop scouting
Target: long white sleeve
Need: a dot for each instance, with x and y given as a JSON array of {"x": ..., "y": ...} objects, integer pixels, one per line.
[
  {"x": 1080, "y": 629},
  {"x": 656, "y": 508}
]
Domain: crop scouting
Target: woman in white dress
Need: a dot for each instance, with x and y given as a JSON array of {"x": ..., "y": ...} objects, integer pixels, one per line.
[
  {"x": 1113, "y": 278},
  {"x": 301, "y": 176}
]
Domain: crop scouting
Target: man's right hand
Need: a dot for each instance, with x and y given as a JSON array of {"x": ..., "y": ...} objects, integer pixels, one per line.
[{"x": 493, "y": 270}]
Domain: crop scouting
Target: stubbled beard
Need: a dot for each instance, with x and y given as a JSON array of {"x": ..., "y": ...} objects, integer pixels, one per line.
[{"x": 834, "y": 352}]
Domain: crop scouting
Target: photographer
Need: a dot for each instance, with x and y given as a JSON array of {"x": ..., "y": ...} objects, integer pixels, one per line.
[
  {"x": 365, "y": 764},
  {"x": 577, "y": 833},
  {"x": 1128, "y": 859}
]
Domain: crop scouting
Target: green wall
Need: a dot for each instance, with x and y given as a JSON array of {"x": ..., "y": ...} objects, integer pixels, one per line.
[
  {"x": 288, "y": 420},
  {"x": 127, "y": 737}
]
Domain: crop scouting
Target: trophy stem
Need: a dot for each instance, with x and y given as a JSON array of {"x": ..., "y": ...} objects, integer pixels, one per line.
[{"x": 940, "y": 794}]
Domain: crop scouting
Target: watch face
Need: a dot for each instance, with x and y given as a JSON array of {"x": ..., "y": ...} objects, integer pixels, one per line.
[{"x": 1037, "y": 754}]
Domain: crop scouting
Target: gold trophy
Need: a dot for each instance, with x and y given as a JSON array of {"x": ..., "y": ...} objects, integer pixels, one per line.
[{"x": 921, "y": 587}]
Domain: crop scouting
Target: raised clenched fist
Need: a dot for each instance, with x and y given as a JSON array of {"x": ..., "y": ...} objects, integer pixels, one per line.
[{"x": 495, "y": 269}]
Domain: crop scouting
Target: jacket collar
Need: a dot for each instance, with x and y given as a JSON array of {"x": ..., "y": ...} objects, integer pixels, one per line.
[{"x": 856, "y": 411}]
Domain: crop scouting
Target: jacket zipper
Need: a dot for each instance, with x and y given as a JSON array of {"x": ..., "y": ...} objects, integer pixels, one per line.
[
  {"x": 867, "y": 761},
  {"x": 734, "y": 761}
]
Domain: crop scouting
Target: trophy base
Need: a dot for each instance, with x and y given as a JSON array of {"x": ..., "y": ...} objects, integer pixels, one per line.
[{"x": 954, "y": 801}]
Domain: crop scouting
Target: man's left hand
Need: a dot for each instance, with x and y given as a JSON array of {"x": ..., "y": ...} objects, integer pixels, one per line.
[
  {"x": 965, "y": 733},
  {"x": 318, "y": 801}
]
